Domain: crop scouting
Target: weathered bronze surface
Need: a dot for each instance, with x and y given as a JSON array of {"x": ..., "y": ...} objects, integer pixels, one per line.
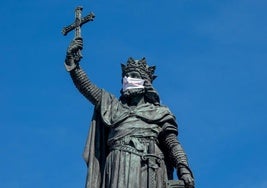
[
  {"x": 79, "y": 21},
  {"x": 77, "y": 24},
  {"x": 132, "y": 141}
]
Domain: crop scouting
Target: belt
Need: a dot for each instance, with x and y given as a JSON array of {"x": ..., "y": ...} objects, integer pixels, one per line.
[{"x": 144, "y": 156}]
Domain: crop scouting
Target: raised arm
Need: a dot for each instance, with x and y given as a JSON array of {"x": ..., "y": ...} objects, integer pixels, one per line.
[{"x": 79, "y": 77}]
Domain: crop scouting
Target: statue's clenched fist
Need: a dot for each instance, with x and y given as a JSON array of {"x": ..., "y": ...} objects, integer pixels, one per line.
[
  {"x": 188, "y": 180},
  {"x": 74, "y": 55},
  {"x": 75, "y": 46}
]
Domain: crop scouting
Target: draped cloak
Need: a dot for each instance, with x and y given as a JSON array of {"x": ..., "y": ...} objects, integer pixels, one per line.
[{"x": 110, "y": 112}]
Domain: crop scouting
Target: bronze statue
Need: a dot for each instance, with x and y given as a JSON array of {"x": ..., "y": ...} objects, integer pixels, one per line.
[{"x": 132, "y": 142}]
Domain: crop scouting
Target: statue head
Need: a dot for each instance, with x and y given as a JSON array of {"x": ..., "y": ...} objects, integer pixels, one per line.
[
  {"x": 138, "y": 77},
  {"x": 139, "y": 66}
]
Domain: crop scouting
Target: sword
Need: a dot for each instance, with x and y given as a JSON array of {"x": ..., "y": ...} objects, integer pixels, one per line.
[{"x": 152, "y": 165}]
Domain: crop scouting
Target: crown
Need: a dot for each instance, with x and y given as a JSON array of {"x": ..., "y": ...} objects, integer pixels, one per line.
[{"x": 146, "y": 72}]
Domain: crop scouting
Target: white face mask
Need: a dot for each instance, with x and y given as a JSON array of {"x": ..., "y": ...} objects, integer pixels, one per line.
[{"x": 132, "y": 83}]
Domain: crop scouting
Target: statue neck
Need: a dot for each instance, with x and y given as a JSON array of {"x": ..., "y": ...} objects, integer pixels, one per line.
[{"x": 136, "y": 100}]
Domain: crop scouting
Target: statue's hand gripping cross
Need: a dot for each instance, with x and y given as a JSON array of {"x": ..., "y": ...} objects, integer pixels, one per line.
[{"x": 79, "y": 21}]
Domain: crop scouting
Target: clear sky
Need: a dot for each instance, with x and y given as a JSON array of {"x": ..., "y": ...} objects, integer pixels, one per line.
[{"x": 211, "y": 59}]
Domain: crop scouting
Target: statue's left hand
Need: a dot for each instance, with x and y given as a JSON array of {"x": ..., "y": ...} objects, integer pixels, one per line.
[{"x": 188, "y": 180}]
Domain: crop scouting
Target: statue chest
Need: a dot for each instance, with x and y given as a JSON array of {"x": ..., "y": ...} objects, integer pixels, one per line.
[{"x": 133, "y": 126}]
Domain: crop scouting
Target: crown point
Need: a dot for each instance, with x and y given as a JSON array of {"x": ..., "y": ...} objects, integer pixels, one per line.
[{"x": 146, "y": 72}]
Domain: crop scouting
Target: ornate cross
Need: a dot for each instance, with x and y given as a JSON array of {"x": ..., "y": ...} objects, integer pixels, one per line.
[{"x": 79, "y": 21}]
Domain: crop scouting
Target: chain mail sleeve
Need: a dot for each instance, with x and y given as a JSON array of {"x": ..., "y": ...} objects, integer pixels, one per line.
[
  {"x": 84, "y": 85},
  {"x": 175, "y": 152}
]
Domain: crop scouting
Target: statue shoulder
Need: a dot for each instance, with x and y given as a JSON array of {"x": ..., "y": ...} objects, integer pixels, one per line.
[
  {"x": 108, "y": 96},
  {"x": 165, "y": 109}
]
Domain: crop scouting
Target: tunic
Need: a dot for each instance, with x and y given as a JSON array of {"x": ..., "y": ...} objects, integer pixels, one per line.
[{"x": 117, "y": 147}]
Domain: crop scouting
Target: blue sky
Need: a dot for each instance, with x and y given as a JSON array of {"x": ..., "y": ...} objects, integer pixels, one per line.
[{"x": 211, "y": 64}]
